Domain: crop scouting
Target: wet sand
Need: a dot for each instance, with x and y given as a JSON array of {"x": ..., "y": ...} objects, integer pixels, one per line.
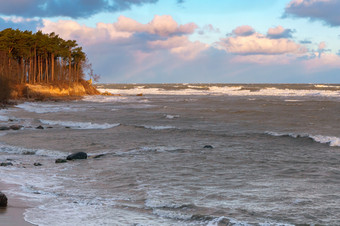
[{"x": 13, "y": 214}]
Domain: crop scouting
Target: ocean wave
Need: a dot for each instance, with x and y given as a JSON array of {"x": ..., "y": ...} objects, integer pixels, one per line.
[
  {"x": 27, "y": 151},
  {"x": 79, "y": 125},
  {"x": 228, "y": 90},
  {"x": 157, "y": 127},
  {"x": 4, "y": 118},
  {"x": 171, "y": 116},
  {"x": 42, "y": 108},
  {"x": 330, "y": 140}
]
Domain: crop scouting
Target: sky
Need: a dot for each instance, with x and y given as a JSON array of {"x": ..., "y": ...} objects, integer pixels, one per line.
[{"x": 193, "y": 41}]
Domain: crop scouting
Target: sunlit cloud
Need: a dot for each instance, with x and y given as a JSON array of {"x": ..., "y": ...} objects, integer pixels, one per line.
[
  {"x": 279, "y": 32},
  {"x": 325, "y": 10}
]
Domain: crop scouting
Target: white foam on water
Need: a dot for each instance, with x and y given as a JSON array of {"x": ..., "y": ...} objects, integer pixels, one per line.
[
  {"x": 79, "y": 125},
  {"x": 4, "y": 118},
  {"x": 171, "y": 116},
  {"x": 42, "y": 108},
  {"x": 27, "y": 151},
  {"x": 330, "y": 140},
  {"x": 228, "y": 90},
  {"x": 158, "y": 127}
]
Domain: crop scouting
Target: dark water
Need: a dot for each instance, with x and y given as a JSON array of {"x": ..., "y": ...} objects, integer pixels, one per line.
[{"x": 272, "y": 156}]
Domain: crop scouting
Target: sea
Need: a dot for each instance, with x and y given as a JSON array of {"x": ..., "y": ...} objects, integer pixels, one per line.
[{"x": 179, "y": 154}]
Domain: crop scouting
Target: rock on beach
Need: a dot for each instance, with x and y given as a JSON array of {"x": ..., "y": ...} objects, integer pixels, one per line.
[
  {"x": 78, "y": 155},
  {"x": 3, "y": 200}
]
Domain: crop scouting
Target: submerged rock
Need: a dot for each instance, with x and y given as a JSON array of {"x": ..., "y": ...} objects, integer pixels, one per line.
[
  {"x": 15, "y": 127},
  {"x": 4, "y": 128},
  {"x": 208, "y": 146},
  {"x": 98, "y": 156},
  {"x": 78, "y": 155},
  {"x": 39, "y": 127},
  {"x": 6, "y": 164},
  {"x": 37, "y": 164},
  {"x": 3, "y": 200},
  {"x": 60, "y": 161}
]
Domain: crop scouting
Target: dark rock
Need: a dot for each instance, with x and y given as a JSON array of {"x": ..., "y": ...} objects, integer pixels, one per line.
[
  {"x": 208, "y": 146},
  {"x": 67, "y": 127},
  {"x": 60, "y": 161},
  {"x": 40, "y": 127},
  {"x": 6, "y": 164},
  {"x": 78, "y": 155},
  {"x": 98, "y": 156},
  {"x": 50, "y": 127},
  {"x": 15, "y": 127},
  {"x": 3, "y": 200},
  {"x": 37, "y": 164},
  {"x": 4, "y": 128}
]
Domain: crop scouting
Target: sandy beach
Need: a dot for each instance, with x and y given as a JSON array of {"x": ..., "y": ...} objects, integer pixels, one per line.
[{"x": 13, "y": 215}]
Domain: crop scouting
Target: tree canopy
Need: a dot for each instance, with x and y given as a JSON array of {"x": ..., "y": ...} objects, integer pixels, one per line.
[{"x": 27, "y": 57}]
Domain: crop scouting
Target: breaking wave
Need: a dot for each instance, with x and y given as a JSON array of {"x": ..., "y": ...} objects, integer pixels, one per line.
[
  {"x": 330, "y": 140},
  {"x": 42, "y": 108},
  {"x": 79, "y": 125},
  {"x": 27, "y": 151}
]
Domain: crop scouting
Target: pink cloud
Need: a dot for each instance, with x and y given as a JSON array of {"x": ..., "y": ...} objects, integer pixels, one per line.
[
  {"x": 258, "y": 44},
  {"x": 124, "y": 28},
  {"x": 181, "y": 46},
  {"x": 244, "y": 30},
  {"x": 326, "y": 60},
  {"x": 160, "y": 25},
  {"x": 279, "y": 32},
  {"x": 69, "y": 29}
]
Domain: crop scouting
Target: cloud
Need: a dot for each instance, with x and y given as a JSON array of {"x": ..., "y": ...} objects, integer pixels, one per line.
[
  {"x": 305, "y": 42},
  {"x": 19, "y": 23},
  {"x": 279, "y": 32},
  {"x": 73, "y": 9},
  {"x": 208, "y": 28},
  {"x": 243, "y": 31},
  {"x": 325, "y": 10},
  {"x": 162, "y": 33},
  {"x": 160, "y": 25},
  {"x": 259, "y": 44},
  {"x": 180, "y": 45}
]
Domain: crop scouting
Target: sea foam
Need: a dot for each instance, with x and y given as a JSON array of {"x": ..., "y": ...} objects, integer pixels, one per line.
[
  {"x": 42, "y": 108},
  {"x": 330, "y": 140},
  {"x": 79, "y": 125},
  {"x": 27, "y": 151},
  {"x": 227, "y": 90}
]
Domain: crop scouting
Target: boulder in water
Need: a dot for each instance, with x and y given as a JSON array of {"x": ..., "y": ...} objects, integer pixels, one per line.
[
  {"x": 6, "y": 164},
  {"x": 39, "y": 127},
  {"x": 78, "y": 155},
  {"x": 208, "y": 146},
  {"x": 15, "y": 127},
  {"x": 3, "y": 200},
  {"x": 60, "y": 161},
  {"x": 4, "y": 128}
]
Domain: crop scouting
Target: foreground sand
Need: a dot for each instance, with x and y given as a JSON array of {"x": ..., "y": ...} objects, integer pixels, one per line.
[{"x": 13, "y": 215}]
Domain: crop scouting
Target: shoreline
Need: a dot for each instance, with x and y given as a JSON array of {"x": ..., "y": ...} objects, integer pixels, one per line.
[{"x": 13, "y": 214}]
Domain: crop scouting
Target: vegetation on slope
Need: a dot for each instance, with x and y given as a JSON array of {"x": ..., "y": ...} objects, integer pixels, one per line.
[{"x": 38, "y": 58}]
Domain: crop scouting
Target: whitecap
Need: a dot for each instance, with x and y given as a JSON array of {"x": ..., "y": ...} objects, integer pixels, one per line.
[
  {"x": 171, "y": 116},
  {"x": 330, "y": 140},
  {"x": 41, "y": 108},
  {"x": 27, "y": 151},
  {"x": 80, "y": 125},
  {"x": 229, "y": 90},
  {"x": 158, "y": 127}
]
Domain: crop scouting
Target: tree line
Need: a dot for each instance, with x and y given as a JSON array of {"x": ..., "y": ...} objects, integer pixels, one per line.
[
  {"x": 27, "y": 57},
  {"x": 37, "y": 58}
]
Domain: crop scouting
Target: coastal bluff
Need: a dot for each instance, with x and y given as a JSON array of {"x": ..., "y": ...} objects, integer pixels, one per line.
[{"x": 46, "y": 91}]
